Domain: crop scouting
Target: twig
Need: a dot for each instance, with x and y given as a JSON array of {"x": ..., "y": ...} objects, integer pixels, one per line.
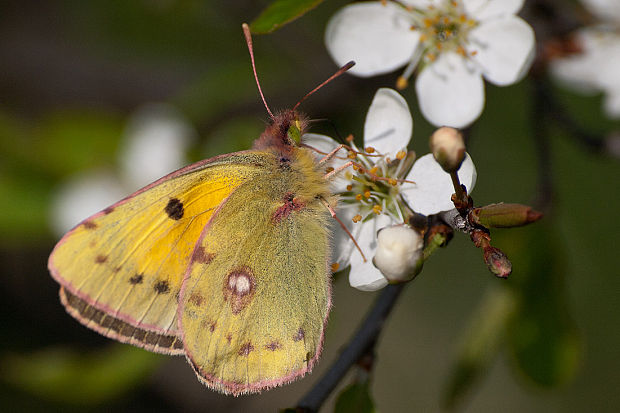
[
  {"x": 360, "y": 343},
  {"x": 541, "y": 140}
]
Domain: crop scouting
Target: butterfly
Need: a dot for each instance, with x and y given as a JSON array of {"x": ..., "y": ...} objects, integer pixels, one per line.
[{"x": 225, "y": 261}]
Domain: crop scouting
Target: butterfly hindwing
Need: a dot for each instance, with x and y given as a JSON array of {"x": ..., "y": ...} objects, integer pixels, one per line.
[
  {"x": 253, "y": 314},
  {"x": 123, "y": 267}
]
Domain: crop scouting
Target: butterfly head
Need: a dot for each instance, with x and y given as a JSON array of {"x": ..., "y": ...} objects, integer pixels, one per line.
[{"x": 284, "y": 133}]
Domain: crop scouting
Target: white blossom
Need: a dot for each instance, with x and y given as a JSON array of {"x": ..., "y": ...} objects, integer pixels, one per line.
[
  {"x": 596, "y": 68},
  {"x": 378, "y": 195},
  {"x": 454, "y": 44}
]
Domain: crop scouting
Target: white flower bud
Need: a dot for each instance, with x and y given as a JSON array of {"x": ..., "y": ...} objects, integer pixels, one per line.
[
  {"x": 399, "y": 253},
  {"x": 448, "y": 148}
]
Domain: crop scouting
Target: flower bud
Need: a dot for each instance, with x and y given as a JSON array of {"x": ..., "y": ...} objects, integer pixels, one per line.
[
  {"x": 497, "y": 262},
  {"x": 399, "y": 253},
  {"x": 504, "y": 215},
  {"x": 448, "y": 148}
]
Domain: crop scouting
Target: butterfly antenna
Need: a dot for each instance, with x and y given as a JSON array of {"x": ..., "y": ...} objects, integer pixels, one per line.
[
  {"x": 332, "y": 77},
  {"x": 248, "y": 40}
]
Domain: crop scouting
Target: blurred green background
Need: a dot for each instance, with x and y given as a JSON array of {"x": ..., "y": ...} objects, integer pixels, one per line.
[{"x": 72, "y": 73}]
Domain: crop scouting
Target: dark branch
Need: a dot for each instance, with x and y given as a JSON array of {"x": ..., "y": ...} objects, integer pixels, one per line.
[{"x": 361, "y": 342}]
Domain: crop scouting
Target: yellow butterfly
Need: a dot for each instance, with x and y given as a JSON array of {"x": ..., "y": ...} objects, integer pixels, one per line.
[{"x": 224, "y": 261}]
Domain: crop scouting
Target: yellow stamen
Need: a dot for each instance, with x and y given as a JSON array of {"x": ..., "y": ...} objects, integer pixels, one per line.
[
  {"x": 366, "y": 194},
  {"x": 357, "y": 218},
  {"x": 349, "y": 187},
  {"x": 335, "y": 267},
  {"x": 377, "y": 209},
  {"x": 392, "y": 181},
  {"x": 369, "y": 149},
  {"x": 400, "y": 155},
  {"x": 358, "y": 197},
  {"x": 401, "y": 83},
  {"x": 374, "y": 170}
]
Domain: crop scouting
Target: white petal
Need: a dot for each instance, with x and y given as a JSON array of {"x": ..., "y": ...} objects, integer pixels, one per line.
[
  {"x": 364, "y": 275},
  {"x": 578, "y": 72},
  {"x": 489, "y": 9},
  {"x": 422, "y": 4},
  {"x": 83, "y": 196},
  {"x": 433, "y": 188},
  {"x": 504, "y": 49},
  {"x": 450, "y": 93},
  {"x": 325, "y": 145},
  {"x": 596, "y": 68},
  {"x": 611, "y": 105},
  {"x": 343, "y": 246},
  {"x": 155, "y": 143},
  {"x": 388, "y": 124},
  {"x": 377, "y": 37}
]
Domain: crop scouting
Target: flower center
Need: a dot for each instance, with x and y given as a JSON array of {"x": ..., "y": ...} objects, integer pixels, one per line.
[
  {"x": 442, "y": 29},
  {"x": 374, "y": 187}
]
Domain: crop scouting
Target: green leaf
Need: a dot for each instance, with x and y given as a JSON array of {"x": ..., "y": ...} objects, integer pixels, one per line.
[
  {"x": 481, "y": 342},
  {"x": 281, "y": 12},
  {"x": 355, "y": 398},
  {"x": 543, "y": 338},
  {"x": 67, "y": 376}
]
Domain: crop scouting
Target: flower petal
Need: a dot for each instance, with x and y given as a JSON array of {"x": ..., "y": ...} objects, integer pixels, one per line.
[
  {"x": 504, "y": 49},
  {"x": 611, "y": 105},
  {"x": 388, "y": 124},
  {"x": 596, "y": 68},
  {"x": 449, "y": 92},
  {"x": 364, "y": 275},
  {"x": 488, "y": 9},
  {"x": 325, "y": 145},
  {"x": 422, "y": 4},
  {"x": 156, "y": 140},
  {"x": 433, "y": 187},
  {"x": 377, "y": 37}
]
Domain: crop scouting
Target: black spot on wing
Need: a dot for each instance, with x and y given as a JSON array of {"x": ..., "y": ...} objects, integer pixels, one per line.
[
  {"x": 136, "y": 279},
  {"x": 174, "y": 209},
  {"x": 162, "y": 287}
]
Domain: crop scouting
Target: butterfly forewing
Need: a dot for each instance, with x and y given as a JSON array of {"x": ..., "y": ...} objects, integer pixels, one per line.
[{"x": 128, "y": 261}]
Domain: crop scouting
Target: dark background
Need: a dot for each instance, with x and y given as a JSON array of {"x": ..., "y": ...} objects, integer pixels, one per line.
[{"x": 72, "y": 72}]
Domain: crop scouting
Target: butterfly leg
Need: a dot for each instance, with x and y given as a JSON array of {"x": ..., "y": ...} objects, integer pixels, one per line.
[{"x": 344, "y": 227}]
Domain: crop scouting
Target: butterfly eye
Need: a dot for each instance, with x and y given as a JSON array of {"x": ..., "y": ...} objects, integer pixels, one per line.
[{"x": 294, "y": 133}]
